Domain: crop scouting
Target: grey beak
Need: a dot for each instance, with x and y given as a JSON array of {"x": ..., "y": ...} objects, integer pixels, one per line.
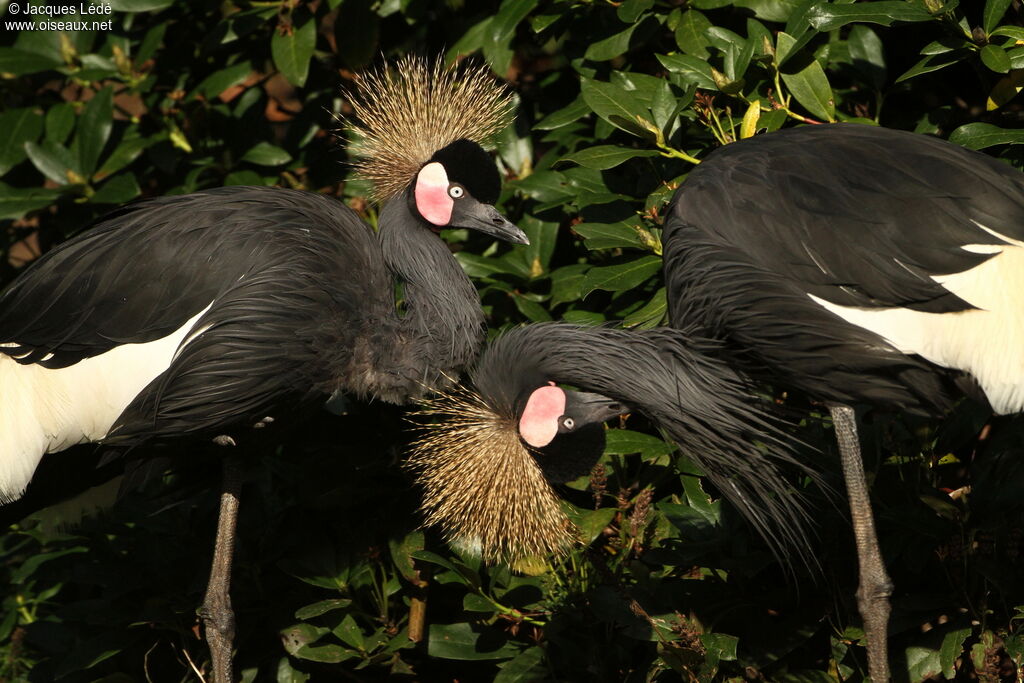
[
  {"x": 486, "y": 219},
  {"x": 597, "y": 408}
]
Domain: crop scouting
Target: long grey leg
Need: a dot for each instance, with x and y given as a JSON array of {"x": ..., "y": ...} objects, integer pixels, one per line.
[
  {"x": 218, "y": 617},
  {"x": 875, "y": 585}
]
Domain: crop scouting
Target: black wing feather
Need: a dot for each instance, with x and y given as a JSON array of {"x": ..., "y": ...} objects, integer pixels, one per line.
[
  {"x": 139, "y": 273},
  {"x": 284, "y": 273},
  {"x": 855, "y": 215}
]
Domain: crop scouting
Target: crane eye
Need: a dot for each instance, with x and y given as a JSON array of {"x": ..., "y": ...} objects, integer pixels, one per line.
[
  {"x": 456, "y": 191},
  {"x": 568, "y": 423}
]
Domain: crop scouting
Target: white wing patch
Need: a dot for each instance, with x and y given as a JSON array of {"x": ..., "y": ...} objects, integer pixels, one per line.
[
  {"x": 47, "y": 410},
  {"x": 987, "y": 342}
]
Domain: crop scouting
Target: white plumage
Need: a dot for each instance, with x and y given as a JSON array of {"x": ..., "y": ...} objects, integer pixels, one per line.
[
  {"x": 47, "y": 410},
  {"x": 987, "y": 341}
]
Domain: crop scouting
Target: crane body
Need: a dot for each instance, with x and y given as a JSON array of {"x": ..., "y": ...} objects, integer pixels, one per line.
[
  {"x": 191, "y": 314},
  {"x": 857, "y": 264},
  {"x": 205, "y": 313},
  {"x": 853, "y": 263}
]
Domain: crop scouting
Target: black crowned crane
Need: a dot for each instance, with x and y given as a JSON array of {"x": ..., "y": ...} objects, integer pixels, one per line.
[
  {"x": 853, "y": 263},
  {"x": 204, "y": 313}
]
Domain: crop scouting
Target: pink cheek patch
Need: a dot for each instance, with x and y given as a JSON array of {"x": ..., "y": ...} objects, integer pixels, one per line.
[
  {"x": 432, "y": 200},
  {"x": 539, "y": 423}
]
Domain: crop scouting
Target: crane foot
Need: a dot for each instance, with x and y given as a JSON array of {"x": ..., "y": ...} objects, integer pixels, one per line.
[
  {"x": 875, "y": 586},
  {"x": 217, "y": 615}
]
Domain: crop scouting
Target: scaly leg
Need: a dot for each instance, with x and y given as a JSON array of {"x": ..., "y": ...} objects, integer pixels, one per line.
[
  {"x": 217, "y": 615},
  {"x": 875, "y": 585}
]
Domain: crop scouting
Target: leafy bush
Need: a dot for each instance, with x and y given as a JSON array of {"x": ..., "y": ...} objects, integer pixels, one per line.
[{"x": 617, "y": 102}]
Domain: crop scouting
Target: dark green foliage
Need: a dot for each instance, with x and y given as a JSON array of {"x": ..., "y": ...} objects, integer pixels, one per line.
[{"x": 617, "y": 102}]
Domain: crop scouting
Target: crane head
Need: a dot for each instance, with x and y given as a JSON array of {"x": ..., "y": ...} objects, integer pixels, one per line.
[
  {"x": 487, "y": 466},
  {"x": 419, "y": 118},
  {"x": 457, "y": 189},
  {"x": 564, "y": 430}
]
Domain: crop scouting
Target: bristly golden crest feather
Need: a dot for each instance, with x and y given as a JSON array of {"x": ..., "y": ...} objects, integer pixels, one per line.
[
  {"x": 406, "y": 113},
  {"x": 481, "y": 486}
]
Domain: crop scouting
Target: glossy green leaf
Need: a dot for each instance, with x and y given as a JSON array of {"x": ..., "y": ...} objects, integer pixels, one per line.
[
  {"x": 566, "y": 283},
  {"x": 328, "y": 653},
  {"x": 17, "y": 126},
  {"x": 465, "y": 642},
  {"x": 93, "y": 130},
  {"x": 294, "y": 638},
  {"x": 1005, "y": 90},
  {"x": 607, "y": 156},
  {"x": 945, "y": 44},
  {"x": 652, "y": 314},
  {"x": 738, "y": 53},
  {"x": 952, "y": 647},
  {"x": 244, "y": 177},
  {"x": 465, "y": 574},
  {"x": 288, "y": 674},
  {"x": 589, "y": 523},
  {"x": 532, "y": 310},
  {"x": 53, "y": 160},
  {"x": 509, "y": 16},
  {"x": 526, "y": 667},
  {"x": 266, "y": 154},
  {"x": 125, "y": 153},
  {"x": 721, "y": 644},
  {"x": 935, "y": 62},
  {"x": 16, "y": 202},
  {"x": 150, "y": 43},
  {"x": 60, "y": 121},
  {"x": 1016, "y": 56},
  {"x": 611, "y": 47},
  {"x": 1015, "y": 32},
  {"x": 500, "y": 29},
  {"x": 228, "y": 77},
  {"x": 691, "y": 34},
  {"x": 402, "y": 549},
  {"x": 322, "y": 607},
  {"x": 826, "y": 16},
  {"x": 610, "y": 235},
  {"x": 994, "y": 11},
  {"x": 20, "y": 62},
  {"x": 348, "y": 632},
  {"x": 699, "y": 500},
  {"x": 628, "y": 442},
  {"x": 693, "y": 70},
  {"x": 922, "y": 663},
  {"x": 476, "y": 266},
  {"x": 537, "y": 254},
  {"x": 982, "y": 135},
  {"x": 473, "y": 602},
  {"x": 614, "y": 104},
  {"x": 118, "y": 190},
  {"x": 995, "y": 58},
  {"x": 868, "y": 54},
  {"x": 292, "y": 49},
  {"x": 771, "y": 10},
  {"x": 807, "y": 82},
  {"x": 622, "y": 276},
  {"x": 571, "y": 113}
]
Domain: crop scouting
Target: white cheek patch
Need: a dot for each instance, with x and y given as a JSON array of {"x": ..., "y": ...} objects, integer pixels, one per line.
[
  {"x": 538, "y": 425},
  {"x": 431, "y": 193}
]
